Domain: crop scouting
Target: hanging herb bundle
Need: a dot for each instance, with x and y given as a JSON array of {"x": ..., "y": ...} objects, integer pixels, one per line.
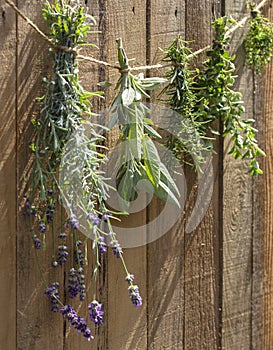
[
  {"x": 61, "y": 125},
  {"x": 139, "y": 159},
  {"x": 185, "y": 140},
  {"x": 259, "y": 41},
  {"x": 216, "y": 99}
]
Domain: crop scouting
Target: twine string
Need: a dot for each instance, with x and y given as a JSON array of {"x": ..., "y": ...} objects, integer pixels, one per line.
[{"x": 110, "y": 65}]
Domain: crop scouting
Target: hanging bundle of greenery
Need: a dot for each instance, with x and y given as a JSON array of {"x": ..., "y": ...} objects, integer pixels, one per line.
[
  {"x": 259, "y": 41},
  {"x": 185, "y": 139},
  {"x": 216, "y": 99},
  {"x": 68, "y": 151},
  {"x": 63, "y": 124},
  {"x": 139, "y": 159}
]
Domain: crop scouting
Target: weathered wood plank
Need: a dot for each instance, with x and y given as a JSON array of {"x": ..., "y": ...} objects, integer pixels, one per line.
[
  {"x": 38, "y": 327},
  {"x": 237, "y": 216},
  {"x": 127, "y": 325},
  {"x": 8, "y": 198},
  {"x": 165, "y": 255},
  {"x": 90, "y": 75},
  {"x": 262, "y": 289},
  {"x": 202, "y": 259}
]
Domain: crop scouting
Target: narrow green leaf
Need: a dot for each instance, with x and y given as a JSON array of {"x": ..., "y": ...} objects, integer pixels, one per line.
[
  {"x": 151, "y": 160},
  {"x": 128, "y": 96},
  {"x": 163, "y": 192}
]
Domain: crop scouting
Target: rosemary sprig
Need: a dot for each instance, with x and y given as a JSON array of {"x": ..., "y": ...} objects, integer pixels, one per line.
[{"x": 185, "y": 139}]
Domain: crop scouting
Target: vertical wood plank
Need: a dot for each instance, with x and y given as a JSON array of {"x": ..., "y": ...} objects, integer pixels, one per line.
[
  {"x": 262, "y": 290},
  {"x": 126, "y": 324},
  {"x": 90, "y": 75},
  {"x": 237, "y": 215},
  {"x": 8, "y": 177},
  {"x": 202, "y": 259},
  {"x": 38, "y": 327},
  {"x": 165, "y": 285}
]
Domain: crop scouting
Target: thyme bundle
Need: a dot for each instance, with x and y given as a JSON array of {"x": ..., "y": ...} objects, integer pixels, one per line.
[
  {"x": 259, "y": 41},
  {"x": 218, "y": 101}
]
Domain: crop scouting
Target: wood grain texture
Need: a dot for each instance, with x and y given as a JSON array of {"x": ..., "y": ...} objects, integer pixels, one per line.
[
  {"x": 165, "y": 281},
  {"x": 38, "y": 328},
  {"x": 262, "y": 290},
  {"x": 127, "y": 325},
  {"x": 202, "y": 260},
  {"x": 8, "y": 178},
  {"x": 238, "y": 220}
]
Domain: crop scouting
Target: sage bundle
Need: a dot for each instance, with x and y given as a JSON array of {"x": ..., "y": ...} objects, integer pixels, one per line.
[{"x": 139, "y": 159}]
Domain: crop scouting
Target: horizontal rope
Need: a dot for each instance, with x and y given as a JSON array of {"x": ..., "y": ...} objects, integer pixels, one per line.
[{"x": 109, "y": 65}]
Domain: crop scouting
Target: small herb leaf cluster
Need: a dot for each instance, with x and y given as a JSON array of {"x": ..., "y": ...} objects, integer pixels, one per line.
[
  {"x": 259, "y": 41},
  {"x": 218, "y": 101}
]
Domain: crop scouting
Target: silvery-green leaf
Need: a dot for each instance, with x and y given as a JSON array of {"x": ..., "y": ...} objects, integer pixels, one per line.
[
  {"x": 128, "y": 96},
  {"x": 163, "y": 192},
  {"x": 151, "y": 160}
]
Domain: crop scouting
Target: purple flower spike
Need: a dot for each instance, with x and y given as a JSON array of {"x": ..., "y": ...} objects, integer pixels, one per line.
[
  {"x": 96, "y": 313},
  {"x": 102, "y": 245},
  {"x": 76, "y": 321},
  {"x": 42, "y": 227},
  {"x": 82, "y": 287},
  {"x": 93, "y": 218},
  {"x": 134, "y": 295},
  {"x": 74, "y": 222},
  {"x": 53, "y": 294},
  {"x": 129, "y": 278},
  {"x": 73, "y": 283},
  {"x": 37, "y": 242},
  {"x": 117, "y": 250},
  {"x": 63, "y": 254}
]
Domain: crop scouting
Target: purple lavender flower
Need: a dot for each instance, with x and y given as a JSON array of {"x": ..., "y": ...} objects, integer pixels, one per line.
[
  {"x": 106, "y": 215},
  {"x": 74, "y": 222},
  {"x": 93, "y": 217},
  {"x": 53, "y": 294},
  {"x": 37, "y": 242},
  {"x": 42, "y": 226},
  {"x": 82, "y": 287},
  {"x": 96, "y": 313},
  {"x": 27, "y": 203},
  {"x": 63, "y": 254},
  {"x": 117, "y": 250},
  {"x": 102, "y": 245},
  {"x": 73, "y": 283},
  {"x": 50, "y": 208},
  {"x": 78, "y": 243},
  {"x": 49, "y": 192},
  {"x": 79, "y": 255},
  {"x": 76, "y": 321},
  {"x": 134, "y": 295},
  {"x": 129, "y": 278},
  {"x": 62, "y": 235}
]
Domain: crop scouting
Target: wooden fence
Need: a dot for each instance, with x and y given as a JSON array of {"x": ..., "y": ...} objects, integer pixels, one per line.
[{"x": 210, "y": 289}]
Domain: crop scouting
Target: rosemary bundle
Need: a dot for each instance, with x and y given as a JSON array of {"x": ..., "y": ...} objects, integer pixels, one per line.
[
  {"x": 185, "y": 139},
  {"x": 139, "y": 159}
]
